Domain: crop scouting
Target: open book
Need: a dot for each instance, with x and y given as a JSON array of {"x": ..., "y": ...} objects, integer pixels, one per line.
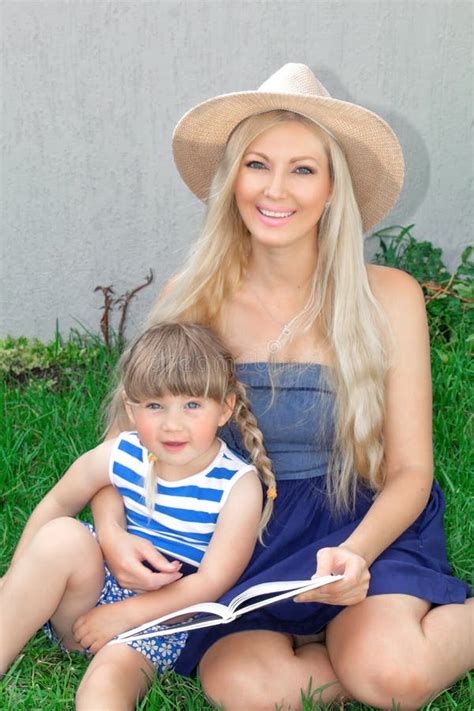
[{"x": 214, "y": 613}]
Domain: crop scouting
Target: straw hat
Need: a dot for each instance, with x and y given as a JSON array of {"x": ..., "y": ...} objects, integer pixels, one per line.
[{"x": 371, "y": 148}]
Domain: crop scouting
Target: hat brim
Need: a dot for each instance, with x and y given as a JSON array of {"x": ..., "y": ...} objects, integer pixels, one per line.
[{"x": 371, "y": 148}]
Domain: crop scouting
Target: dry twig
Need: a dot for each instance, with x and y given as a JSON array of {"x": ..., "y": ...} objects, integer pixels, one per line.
[{"x": 121, "y": 303}]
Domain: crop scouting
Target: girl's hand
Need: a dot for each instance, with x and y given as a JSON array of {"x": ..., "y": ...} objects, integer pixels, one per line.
[
  {"x": 125, "y": 555},
  {"x": 98, "y": 626},
  {"x": 339, "y": 561}
]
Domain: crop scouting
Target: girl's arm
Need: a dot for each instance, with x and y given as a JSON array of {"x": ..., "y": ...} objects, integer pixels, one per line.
[
  {"x": 407, "y": 440},
  {"x": 83, "y": 479},
  {"x": 228, "y": 553}
]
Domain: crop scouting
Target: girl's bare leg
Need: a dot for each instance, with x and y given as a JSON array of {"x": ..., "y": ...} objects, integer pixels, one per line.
[
  {"x": 116, "y": 678},
  {"x": 58, "y": 577},
  {"x": 395, "y": 649},
  {"x": 258, "y": 671}
]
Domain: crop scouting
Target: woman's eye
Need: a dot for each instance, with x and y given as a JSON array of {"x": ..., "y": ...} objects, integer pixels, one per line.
[
  {"x": 304, "y": 170},
  {"x": 255, "y": 164},
  {"x": 193, "y": 405}
]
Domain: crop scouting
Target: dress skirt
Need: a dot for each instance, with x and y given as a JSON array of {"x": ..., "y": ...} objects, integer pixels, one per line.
[{"x": 415, "y": 564}]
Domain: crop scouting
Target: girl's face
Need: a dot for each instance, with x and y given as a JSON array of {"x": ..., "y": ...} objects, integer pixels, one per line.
[
  {"x": 180, "y": 431},
  {"x": 283, "y": 185}
]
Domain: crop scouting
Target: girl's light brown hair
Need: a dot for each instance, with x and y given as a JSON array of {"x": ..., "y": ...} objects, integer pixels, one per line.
[{"x": 189, "y": 359}]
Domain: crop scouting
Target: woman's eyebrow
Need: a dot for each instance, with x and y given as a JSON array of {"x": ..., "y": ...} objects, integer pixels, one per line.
[
  {"x": 300, "y": 158},
  {"x": 256, "y": 153},
  {"x": 292, "y": 160}
]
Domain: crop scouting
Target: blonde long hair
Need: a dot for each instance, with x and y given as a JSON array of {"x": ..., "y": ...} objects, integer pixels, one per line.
[
  {"x": 189, "y": 359},
  {"x": 341, "y": 302}
]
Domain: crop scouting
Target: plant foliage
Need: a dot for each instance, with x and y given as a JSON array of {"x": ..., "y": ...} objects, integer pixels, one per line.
[
  {"x": 449, "y": 297},
  {"x": 54, "y": 364}
]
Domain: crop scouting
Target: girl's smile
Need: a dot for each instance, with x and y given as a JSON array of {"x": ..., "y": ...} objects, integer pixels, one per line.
[{"x": 174, "y": 446}]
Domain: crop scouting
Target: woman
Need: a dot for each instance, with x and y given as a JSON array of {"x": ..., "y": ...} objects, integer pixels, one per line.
[{"x": 335, "y": 355}]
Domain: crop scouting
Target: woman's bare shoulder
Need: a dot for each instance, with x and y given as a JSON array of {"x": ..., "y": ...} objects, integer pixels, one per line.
[{"x": 394, "y": 289}]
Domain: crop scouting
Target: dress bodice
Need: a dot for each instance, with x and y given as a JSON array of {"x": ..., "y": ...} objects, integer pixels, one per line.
[{"x": 294, "y": 407}]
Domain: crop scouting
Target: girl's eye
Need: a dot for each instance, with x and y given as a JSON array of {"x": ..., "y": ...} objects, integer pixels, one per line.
[
  {"x": 153, "y": 406},
  {"x": 255, "y": 164},
  {"x": 304, "y": 170},
  {"x": 193, "y": 405}
]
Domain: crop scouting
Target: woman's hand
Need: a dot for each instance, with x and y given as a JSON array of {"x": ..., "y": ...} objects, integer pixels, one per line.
[
  {"x": 128, "y": 556},
  {"x": 349, "y": 591},
  {"x": 98, "y": 626}
]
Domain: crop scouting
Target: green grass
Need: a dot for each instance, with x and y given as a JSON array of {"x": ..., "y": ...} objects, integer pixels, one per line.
[{"x": 50, "y": 407}]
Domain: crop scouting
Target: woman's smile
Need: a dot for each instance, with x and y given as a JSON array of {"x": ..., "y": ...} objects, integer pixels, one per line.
[{"x": 274, "y": 218}]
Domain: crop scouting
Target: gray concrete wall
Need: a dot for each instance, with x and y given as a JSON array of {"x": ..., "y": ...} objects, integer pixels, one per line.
[{"x": 92, "y": 91}]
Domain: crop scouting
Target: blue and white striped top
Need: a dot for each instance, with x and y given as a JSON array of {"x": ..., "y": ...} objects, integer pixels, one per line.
[{"x": 186, "y": 511}]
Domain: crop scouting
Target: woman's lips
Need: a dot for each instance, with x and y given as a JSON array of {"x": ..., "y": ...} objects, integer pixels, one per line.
[{"x": 274, "y": 218}]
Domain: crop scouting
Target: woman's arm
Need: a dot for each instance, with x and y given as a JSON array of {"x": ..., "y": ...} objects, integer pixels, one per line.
[
  {"x": 83, "y": 479},
  {"x": 228, "y": 553},
  {"x": 407, "y": 425},
  {"x": 407, "y": 441},
  {"x": 125, "y": 552}
]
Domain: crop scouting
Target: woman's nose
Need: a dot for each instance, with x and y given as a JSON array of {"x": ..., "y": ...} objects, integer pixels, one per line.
[{"x": 276, "y": 186}]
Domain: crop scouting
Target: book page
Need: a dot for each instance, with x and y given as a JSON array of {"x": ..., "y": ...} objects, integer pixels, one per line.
[
  {"x": 281, "y": 590},
  {"x": 192, "y": 624},
  {"x": 218, "y": 612}
]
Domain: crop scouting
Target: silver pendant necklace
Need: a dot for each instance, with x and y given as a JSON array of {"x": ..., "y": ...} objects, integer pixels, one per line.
[{"x": 286, "y": 328}]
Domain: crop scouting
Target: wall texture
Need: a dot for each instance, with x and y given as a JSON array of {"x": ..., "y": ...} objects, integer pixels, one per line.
[{"x": 92, "y": 90}]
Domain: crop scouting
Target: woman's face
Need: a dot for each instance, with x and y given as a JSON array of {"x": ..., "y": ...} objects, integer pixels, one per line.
[{"x": 283, "y": 185}]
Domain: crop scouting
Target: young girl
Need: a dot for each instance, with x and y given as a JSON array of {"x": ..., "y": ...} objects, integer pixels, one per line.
[
  {"x": 335, "y": 355},
  {"x": 182, "y": 489}
]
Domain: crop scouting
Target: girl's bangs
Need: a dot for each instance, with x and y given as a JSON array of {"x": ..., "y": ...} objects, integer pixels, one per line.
[{"x": 176, "y": 366}]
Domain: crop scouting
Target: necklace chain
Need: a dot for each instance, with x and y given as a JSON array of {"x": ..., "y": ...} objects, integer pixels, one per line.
[{"x": 286, "y": 330}]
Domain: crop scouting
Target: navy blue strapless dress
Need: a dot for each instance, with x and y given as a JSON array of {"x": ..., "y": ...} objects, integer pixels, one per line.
[{"x": 296, "y": 418}]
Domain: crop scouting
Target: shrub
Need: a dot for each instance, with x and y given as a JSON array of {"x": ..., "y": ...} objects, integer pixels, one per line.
[{"x": 449, "y": 297}]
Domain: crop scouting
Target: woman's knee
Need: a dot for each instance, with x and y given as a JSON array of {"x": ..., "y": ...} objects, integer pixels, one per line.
[
  {"x": 234, "y": 681},
  {"x": 379, "y": 653},
  {"x": 386, "y": 679},
  {"x": 255, "y": 671}
]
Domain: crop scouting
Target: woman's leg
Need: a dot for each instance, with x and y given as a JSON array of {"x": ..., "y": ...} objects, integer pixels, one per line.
[
  {"x": 258, "y": 671},
  {"x": 116, "y": 678},
  {"x": 58, "y": 577},
  {"x": 394, "y": 648},
  {"x": 389, "y": 647}
]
